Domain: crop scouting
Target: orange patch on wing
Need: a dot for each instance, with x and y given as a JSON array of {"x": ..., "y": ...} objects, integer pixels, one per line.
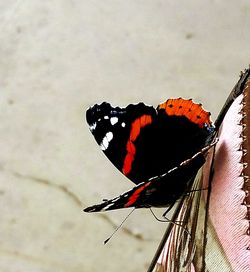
[
  {"x": 186, "y": 107},
  {"x": 139, "y": 123},
  {"x": 132, "y": 199}
]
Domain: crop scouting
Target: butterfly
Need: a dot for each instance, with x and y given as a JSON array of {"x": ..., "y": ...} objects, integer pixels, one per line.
[{"x": 160, "y": 150}]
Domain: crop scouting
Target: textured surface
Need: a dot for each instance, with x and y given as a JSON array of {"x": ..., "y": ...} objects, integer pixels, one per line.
[
  {"x": 56, "y": 59},
  {"x": 227, "y": 212}
]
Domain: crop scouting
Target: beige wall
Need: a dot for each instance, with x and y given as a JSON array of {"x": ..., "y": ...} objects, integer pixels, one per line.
[{"x": 56, "y": 59}]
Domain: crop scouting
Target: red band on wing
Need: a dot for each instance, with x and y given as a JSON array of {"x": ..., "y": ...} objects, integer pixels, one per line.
[
  {"x": 182, "y": 107},
  {"x": 132, "y": 199},
  {"x": 136, "y": 126}
]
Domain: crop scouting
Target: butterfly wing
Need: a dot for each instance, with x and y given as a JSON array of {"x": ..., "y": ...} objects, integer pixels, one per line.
[
  {"x": 143, "y": 142},
  {"x": 160, "y": 191},
  {"x": 112, "y": 128},
  {"x": 144, "y": 194}
]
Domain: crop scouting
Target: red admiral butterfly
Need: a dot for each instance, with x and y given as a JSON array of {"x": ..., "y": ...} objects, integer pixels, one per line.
[
  {"x": 160, "y": 150},
  {"x": 144, "y": 144}
]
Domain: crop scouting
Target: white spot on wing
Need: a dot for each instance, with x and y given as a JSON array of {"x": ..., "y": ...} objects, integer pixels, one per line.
[
  {"x": 109, "y": 136},
  {"x": 112, "y": 202},
  {"x": 113, "y": 120},
  {"x": 106, "y": 117},
  {"x": 123, "y": 124},
  {"x": 104, "y": 144},
  {"x": 108, "y": 206},
  {"x": 106, "y": 140},
  {"x": 92, "y": 127}
]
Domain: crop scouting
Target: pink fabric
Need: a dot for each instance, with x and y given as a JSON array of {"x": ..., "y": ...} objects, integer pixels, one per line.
[{"x": 227, "y": 212}]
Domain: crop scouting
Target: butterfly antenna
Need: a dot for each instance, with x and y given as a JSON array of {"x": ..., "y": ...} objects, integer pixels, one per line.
[{"x": 118, "y": 227}]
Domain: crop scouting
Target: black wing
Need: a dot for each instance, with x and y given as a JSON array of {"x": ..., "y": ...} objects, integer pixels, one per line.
[{"x": 143, "y": 142}]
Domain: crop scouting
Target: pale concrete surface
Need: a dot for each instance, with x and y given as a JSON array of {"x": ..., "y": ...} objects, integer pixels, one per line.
[{"x": 56, "y": 59}]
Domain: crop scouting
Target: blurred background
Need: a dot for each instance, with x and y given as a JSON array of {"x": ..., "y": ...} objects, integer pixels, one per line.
[{"x": 57, "y": 58}]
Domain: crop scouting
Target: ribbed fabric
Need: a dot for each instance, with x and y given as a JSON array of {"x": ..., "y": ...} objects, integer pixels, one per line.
[{"x": 227, "y": 211}]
